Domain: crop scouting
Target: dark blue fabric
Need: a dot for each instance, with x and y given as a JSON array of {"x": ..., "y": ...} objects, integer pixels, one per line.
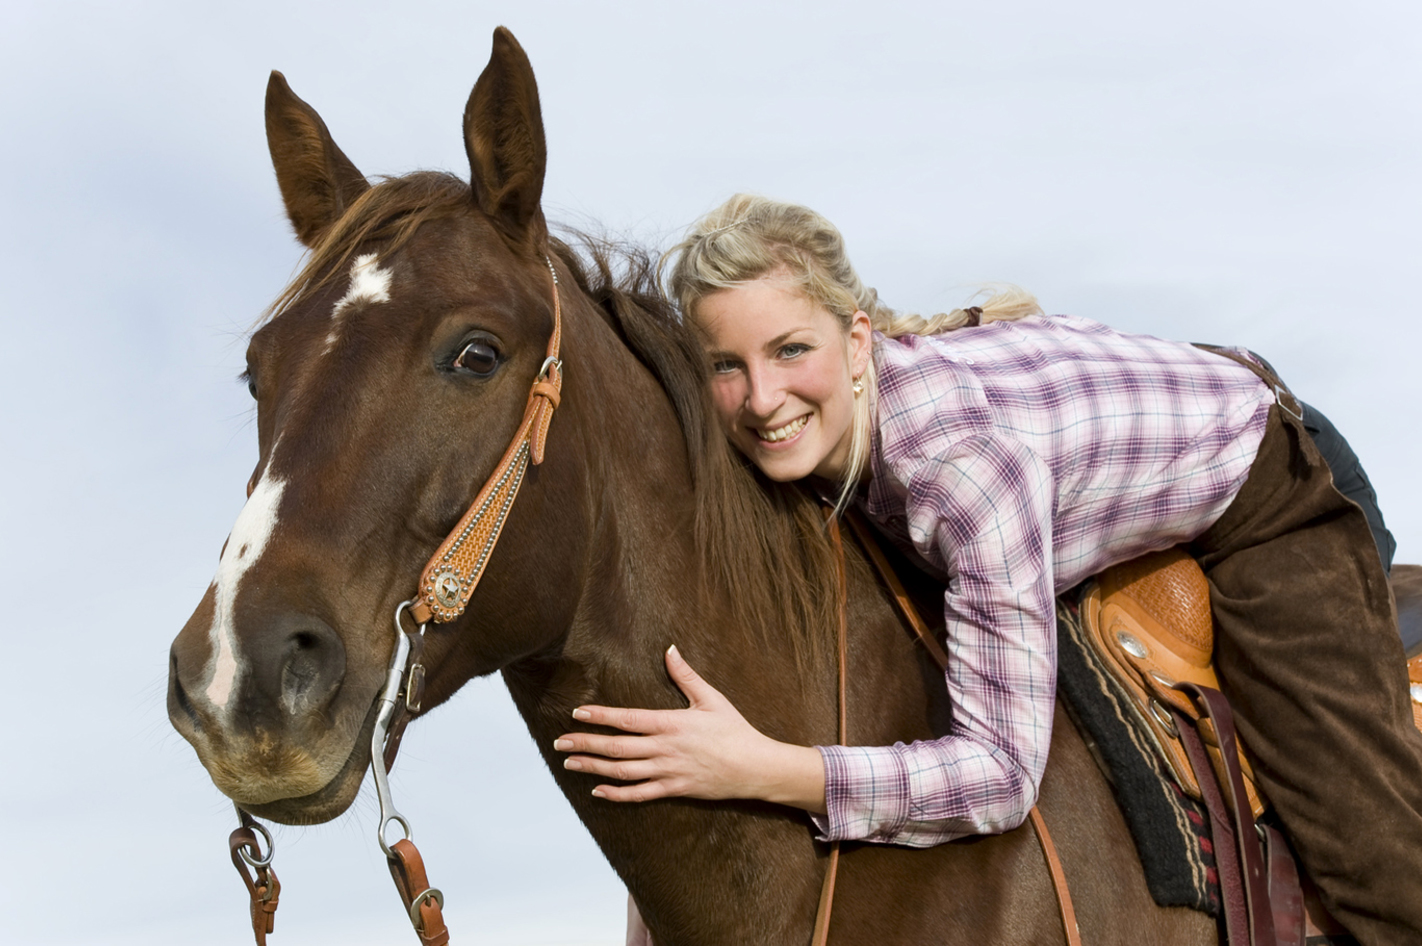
[{"x": 1349, "y": 477}]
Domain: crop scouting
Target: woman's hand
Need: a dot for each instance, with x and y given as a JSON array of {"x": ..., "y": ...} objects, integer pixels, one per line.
[{"x": 705, "y": 751}]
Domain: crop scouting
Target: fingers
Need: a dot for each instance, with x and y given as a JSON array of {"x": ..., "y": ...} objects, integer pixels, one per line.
[
  {"x": 623, "y": 770},
  {"x": 697, "y": 690},
  {"x": 642, "y": 791},
  {"x": 612, "y": 747},
  {"x": 642, "y": 721}
]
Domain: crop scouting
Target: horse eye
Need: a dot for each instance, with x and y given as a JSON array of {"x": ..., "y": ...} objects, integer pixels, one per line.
[{"x": 478, "y": 357}]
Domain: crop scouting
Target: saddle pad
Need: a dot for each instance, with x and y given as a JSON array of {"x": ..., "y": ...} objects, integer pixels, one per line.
[{"x": 1170, "y": 830}]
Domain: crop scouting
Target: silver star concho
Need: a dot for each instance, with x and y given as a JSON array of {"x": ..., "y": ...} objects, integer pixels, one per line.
[{"x": 447, "y": 587}]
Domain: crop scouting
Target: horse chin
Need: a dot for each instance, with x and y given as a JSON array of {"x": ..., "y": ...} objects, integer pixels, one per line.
[{"x": 331, "y": 799}]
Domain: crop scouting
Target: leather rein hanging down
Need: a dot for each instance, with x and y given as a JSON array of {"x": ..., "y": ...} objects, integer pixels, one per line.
[
  {"x": 445, "y": 585},
  {"x": 915, "y": 621}
]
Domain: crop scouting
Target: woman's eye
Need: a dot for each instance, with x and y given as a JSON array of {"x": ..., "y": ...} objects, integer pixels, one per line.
[
  {"x": 793, "y": 350},
  {"x": 723, "y": 367},
  {"x": 478, "y": 357}
]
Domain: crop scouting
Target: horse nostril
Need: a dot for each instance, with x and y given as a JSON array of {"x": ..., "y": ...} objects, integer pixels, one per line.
[
  {"x": 313, "y": 666},
  {"x": 178, "y": 703}
]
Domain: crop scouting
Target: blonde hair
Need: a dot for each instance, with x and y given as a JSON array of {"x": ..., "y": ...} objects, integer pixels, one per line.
[{"x": 750, "y": 236}]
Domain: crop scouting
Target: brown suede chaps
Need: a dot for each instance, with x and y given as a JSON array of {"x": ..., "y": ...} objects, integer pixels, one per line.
[{"x": 1307, "y": 650}]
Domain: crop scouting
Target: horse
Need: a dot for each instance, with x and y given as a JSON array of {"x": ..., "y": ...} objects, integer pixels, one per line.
[{"x": 388, "y": 377}]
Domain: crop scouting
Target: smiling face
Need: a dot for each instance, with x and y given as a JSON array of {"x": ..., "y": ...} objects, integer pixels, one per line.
[{"x": 783, "y": 376}]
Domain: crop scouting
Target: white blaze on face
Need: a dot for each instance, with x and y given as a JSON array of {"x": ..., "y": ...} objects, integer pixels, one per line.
[
  {"x": 369, "y": 283},
  {"x": 254, "y": 527}
]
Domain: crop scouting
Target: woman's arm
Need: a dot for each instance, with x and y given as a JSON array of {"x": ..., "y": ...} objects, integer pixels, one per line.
[
  {"x": 980, "y": 507},
  {"x": 983, "y": 506}
]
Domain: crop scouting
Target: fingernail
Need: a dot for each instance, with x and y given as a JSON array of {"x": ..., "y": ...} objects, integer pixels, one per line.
[
  {"x": 672, "y": 650},
  {"x": 573, "y": 764},
  {"x": 581, "y": 713},
  {"x": 562, "y": 745},
  {"x": 597, "y": 793}
]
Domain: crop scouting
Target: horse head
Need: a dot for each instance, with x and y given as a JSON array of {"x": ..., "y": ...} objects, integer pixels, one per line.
[{"x": 388, "y": 381}]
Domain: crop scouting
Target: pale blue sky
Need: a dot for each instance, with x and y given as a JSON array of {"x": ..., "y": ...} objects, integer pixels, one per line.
[{"x": 1242, "y": 172}]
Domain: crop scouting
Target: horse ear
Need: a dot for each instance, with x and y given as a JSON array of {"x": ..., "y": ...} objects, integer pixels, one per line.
[
  {"x": 503, "y": 134},
  {"x": 318, "y": 182}
]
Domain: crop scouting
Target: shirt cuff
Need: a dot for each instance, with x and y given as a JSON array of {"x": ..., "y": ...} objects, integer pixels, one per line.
[{"x": 866, "y": 793}]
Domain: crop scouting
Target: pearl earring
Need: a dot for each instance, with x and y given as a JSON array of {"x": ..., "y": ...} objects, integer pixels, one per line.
[{"x": 858, "y": 387}]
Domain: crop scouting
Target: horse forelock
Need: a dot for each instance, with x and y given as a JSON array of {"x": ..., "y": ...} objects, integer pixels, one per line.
[{"x": 385, "y": 217}]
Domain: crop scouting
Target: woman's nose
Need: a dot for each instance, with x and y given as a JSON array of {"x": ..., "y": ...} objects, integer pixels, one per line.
[{"x": 764, "y": 394}]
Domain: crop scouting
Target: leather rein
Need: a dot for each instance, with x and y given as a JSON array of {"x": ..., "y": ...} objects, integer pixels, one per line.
[{"x": 445, "y": 585}]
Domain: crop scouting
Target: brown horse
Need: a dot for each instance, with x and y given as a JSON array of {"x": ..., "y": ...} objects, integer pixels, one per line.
[{"x": 388, "y": 380}]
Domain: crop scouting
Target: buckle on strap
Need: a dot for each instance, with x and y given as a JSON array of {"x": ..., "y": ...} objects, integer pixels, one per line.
[{"x": 1286, "y": 400}]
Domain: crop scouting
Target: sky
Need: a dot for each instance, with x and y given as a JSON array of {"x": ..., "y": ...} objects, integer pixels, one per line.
[{"x": 1240, "y": 173}]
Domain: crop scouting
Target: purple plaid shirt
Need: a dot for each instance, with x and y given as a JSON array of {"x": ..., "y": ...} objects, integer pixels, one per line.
[{"x": 1017, "y": 459}]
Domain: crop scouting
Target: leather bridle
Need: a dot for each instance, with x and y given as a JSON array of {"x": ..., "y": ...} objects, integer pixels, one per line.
[{"x": 445, "y": 585}]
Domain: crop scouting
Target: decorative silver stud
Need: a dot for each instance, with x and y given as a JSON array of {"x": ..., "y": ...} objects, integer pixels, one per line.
[{"x": 1131, "y": 645}]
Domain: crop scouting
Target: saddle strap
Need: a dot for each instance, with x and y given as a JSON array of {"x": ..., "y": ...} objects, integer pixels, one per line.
[
  {"x": 870, "y": 543},
  {"x": 1266, "y": 890},
  {"x": 1225, "y": 849}
]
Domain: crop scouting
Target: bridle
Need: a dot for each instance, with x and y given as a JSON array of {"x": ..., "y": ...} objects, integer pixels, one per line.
[{"x": 443, "y": 591}]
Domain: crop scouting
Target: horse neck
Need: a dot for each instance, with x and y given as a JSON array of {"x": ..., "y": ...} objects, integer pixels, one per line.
[{"x": 645, "y": 587}]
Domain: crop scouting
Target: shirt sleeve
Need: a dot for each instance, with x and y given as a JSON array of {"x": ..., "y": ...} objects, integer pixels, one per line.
[{"x": 984, "y": 510}]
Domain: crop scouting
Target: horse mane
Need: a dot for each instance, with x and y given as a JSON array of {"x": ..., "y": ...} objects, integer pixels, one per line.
[{"x": 765, "y": 542}]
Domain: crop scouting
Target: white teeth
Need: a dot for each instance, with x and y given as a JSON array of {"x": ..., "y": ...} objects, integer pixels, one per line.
[{"x": 784, "y": 433}]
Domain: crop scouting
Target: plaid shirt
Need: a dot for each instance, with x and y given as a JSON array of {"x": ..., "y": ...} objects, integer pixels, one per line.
[{"x": 1017, "y": 459}]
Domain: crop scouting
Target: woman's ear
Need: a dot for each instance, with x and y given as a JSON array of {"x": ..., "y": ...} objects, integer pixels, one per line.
[{"x": 861, "y": 343}]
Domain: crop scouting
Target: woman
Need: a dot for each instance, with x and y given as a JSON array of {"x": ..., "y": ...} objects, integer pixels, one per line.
[{"x": 1014, "y": 455}]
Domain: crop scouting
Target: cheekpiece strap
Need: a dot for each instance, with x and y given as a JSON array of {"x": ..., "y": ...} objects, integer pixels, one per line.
[{"x": 452, "y": 574}]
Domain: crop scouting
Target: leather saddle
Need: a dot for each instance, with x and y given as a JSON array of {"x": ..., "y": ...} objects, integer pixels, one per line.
[
  {"x": 1150, "y": 623},
  {"x": 1149, "y": 619}
]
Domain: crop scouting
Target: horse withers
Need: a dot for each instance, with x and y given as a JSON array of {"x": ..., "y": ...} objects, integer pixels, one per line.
[{"x": 389, "y": 380}]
